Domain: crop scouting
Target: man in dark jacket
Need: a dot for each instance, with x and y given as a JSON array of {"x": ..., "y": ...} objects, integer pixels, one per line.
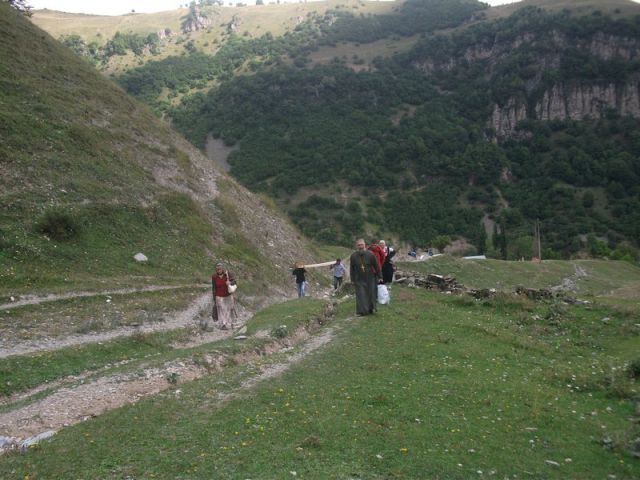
[{"x": 365, "y": 274}]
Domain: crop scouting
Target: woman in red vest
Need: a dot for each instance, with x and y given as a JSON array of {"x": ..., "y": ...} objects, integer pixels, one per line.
[
  {"x": 223, "y": 284},
  {"x": 379, "y": 252}
]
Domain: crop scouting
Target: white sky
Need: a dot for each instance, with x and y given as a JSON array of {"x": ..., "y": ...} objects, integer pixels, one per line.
[{"x": 120, "y": 7}]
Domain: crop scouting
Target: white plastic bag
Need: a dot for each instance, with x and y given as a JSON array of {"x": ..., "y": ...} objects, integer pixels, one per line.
[{"x": 383, "y": 295}]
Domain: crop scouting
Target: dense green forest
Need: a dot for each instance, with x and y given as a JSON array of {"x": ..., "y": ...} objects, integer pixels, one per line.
[{"x": 392, "y": 149}]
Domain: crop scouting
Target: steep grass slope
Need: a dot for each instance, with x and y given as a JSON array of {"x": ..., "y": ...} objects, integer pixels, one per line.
[{"x": 90, "y": 177}]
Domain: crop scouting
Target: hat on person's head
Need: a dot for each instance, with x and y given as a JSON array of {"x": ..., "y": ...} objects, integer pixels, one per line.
[
  {"x": 219, "y": 264},
  {"x": 382, "y": 242}
]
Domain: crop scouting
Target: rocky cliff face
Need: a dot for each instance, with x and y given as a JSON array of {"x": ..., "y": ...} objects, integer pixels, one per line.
[
  {"x": 589, "y": 101},
  {"x": 566, "y": 101},
  {"x": 576, "y": 99},
  {"x": 196, "y": 21}
]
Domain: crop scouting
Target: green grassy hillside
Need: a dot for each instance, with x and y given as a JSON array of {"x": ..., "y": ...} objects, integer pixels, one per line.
[
  {"x": 588, "y": 277},
  {"x": 90, "y": 177}
]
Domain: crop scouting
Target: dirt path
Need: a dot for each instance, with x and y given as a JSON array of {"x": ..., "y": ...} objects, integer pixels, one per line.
[
  {"x": 182, "y": 319},
  {"x": 76, "y": 403},
  {"x": 77, "y": 398},
  {"x": 571, "y": 283},
  {"x": 36, "y": 299}
]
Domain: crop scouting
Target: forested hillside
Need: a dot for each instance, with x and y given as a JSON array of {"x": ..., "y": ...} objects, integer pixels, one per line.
[{"x": 479, "y": 129}]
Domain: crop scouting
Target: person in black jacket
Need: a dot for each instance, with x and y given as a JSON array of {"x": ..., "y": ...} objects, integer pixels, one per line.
[
  {"x": 365, "y": 273},
  {"x": 299, "y": 272},
  {"x": 388, "y": 268}
]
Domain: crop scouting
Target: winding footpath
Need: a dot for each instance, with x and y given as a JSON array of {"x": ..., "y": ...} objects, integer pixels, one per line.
[
  {"x": 78, "y": 398},
  {"x": 179, "y": 320}
]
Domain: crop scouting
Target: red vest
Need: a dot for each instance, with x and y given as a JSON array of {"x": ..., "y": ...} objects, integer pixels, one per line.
[
  {"x": 221, "y": 285},
  {"x": 378, "y": 251}
]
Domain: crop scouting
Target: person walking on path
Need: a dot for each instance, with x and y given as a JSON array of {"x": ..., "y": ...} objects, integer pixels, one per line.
[
  {"x": 365, "y": 273},
  {"x": 338, "y": 273},
  {"x": 223, "y": 283},
  {"x": 378, "y": 250},
  {"x": 299, "y": 272},
  {"x": 388, "y": 268}
]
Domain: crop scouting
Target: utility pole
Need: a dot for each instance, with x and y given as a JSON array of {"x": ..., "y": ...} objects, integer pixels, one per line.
[{"x": 537, "y": 242}]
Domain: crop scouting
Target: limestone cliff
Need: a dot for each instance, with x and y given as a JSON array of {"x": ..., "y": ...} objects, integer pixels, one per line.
[
  {"x": 568, "y": 101},
  {"x": 575, "y": 99},
  {"x": 196, "y": 20},
  {"x": 549, "y": 90}
]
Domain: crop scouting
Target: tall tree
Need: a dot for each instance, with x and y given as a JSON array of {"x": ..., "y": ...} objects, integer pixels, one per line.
[{"x": 503, "y": 241}]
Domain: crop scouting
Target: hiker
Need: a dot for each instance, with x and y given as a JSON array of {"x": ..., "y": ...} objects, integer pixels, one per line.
[
  {"x": 338, "y": 273},
  {"x": 365, "y": 273},
  {"x": 388, "y": 268},
  {"x": 378, "y": 250},
  {"x": 299, "y": 272},
  {"x": 223, "y": 283}
]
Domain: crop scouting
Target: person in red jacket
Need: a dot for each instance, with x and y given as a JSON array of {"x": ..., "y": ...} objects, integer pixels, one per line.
[
  {"x": 379, "y": 252},
  {"x": 224, "y": 306}
]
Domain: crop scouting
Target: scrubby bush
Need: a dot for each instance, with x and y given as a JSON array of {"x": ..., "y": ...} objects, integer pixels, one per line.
[
  {"x": 634, "y": 368},
  {"x": 57, "y": 224},
  {"x": 440, "y": 242}
]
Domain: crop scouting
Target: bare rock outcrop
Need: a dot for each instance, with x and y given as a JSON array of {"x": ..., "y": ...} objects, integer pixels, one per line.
[
  {"x": 568, "y": 101},
  {"x": 195, "y": 21},
  {"x": 574, "y": 99}
]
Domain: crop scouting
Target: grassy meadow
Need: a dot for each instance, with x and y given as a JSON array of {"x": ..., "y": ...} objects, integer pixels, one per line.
[
  {"x": 591, "y": 277},
  {"x": 433, "y": 386}
]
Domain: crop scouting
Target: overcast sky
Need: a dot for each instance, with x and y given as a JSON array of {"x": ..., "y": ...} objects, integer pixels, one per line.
[{"x": 119, "y": 7}]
